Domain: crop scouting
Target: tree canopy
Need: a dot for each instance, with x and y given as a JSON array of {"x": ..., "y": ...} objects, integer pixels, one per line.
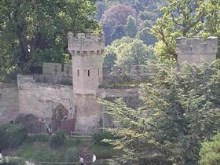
[
  {"x": 127, "y": 52},
  {"x": 209, "y": 153},
  {"x": 179, "y": 111},
  {"x": 185, "y": 18},
  {"x": 35, "y": 31}
]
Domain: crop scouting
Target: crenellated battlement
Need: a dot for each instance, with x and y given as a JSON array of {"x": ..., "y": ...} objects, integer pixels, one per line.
[
  {"x": 85, "y": 43},
  {"x": 196, "y": 49}
]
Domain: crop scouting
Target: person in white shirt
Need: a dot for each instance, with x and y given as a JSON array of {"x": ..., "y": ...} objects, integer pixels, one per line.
[
  {"x": 1, "y": 157},
  {"x": 93, "y": 158},
  {"x": 81, "y": 161}
]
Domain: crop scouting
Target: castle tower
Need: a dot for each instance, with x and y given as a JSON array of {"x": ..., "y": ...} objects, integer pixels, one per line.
[
  {"x": 87, "y": 72},
  {"x": 196, "y": 50}
]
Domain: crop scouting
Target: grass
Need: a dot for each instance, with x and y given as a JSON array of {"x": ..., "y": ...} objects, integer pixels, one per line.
[{"x": 38, "y": 149}]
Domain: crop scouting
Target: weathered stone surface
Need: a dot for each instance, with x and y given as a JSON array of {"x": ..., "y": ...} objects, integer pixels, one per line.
[
  {"x": 8, "y": 102},
  {"x": 32, "y": 123},
  {"x": 196, "y": 50},
  {"x": 40, "y": 99}
]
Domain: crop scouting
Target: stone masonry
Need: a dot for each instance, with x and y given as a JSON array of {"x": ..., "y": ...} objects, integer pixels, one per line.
[
  {"x": 40, "y": 95},
  {"x": 87, "y": 73},
  {"x": 196, "y": 50}
]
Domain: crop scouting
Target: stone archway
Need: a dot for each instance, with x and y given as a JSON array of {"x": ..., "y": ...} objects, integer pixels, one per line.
[{"x": 59, "y": 114}]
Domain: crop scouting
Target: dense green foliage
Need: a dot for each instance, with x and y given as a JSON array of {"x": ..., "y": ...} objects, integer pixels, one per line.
[
  {"x": 179, "y": 111},
  {"x": 185, "y": 19},
  {"x": 127, "y": 52},
  {"x": 57, "y": 140},
  {"x": 12, "y": 136},
  {"x": 33, "y": 32},
  {"x": 98, "y": 137},
  {"x": 125, "y": 18},
  {"x": 209, "y": 153}
]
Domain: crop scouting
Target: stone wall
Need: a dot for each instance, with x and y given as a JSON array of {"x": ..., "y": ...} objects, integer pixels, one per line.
[
  {"x": 57, "y": 69},
  {"x": 40, "y": 99},
  {"x": 89, "y": 113},
  {"x": 8, "y": 102},
  {"x": 196, "y": 50}
]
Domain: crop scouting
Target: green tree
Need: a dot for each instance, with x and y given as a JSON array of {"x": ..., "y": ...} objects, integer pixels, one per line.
[
  {"x": 209, "y": 153},
  {"x": 179, "y": 111},
  {"x": 185, "y": 18},
  {"x": 131, "y": 27},
  {"x": 128, "y": 52},
  {"x": 114, "y": 19},
  {"x": 146, "y": 36},
  {"x": 35, "y": 31}
]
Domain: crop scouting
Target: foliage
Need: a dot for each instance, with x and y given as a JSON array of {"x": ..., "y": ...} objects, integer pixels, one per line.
[
  {"x": 57, "y": 140},
  {"x": 33, "y": 32},
  {"x": 179, "y": 111},
  {"x": 41, "y": 152},
  {"x": 38, "y": 138},
  {"x": 128, "y": 52},
  {"x": 72, "y": 155},
  {"x": 146, "y": 36},
  {"x": 98, "y": 137},
  {"x": 209, "y": 153},
  {"x": 114, "y": 19},
  {"x": 145, "y": 13},
  {"x": 187, "y": 19},
  {"x": 131, "y": 27},
  {"x": 11, "y": 136}
]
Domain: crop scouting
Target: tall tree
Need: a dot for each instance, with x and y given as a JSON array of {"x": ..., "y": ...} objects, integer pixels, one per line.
[
  {"x": 185, "y": 18},
  {"x": 179, "y": 111},
  {"x": 131, "y": 27},
  {"x": 114, "y": 19},
  {"x": 35, "y": 31}
]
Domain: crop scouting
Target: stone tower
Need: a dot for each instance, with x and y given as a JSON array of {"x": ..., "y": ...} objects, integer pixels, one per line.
[
  {"x": 87, "y": 72},
  {"x": 196, "y": 50}
]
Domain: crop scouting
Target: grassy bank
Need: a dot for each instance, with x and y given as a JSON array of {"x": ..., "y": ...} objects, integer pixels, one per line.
[{"x": 38, "y": 148}]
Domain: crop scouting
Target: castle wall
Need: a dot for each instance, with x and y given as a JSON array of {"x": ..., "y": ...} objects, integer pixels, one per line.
[
  {"x": 196, "y": 50},
  {"x": 57, "y": 69},
  {"x": 89, "y": 113},
  {"x": 8, "y": 102},
  {"x": 40, "y": 98},
  {"x": 129, "y": 96}
]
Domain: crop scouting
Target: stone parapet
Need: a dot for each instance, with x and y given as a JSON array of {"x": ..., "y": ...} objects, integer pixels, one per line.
[
  {"x": 196, "y": 49},
  {"x": 85, "y": 43}
]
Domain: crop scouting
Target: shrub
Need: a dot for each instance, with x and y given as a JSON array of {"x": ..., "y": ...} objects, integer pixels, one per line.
[
  {"x": 57, "y": 140},
  {"x": 209, "y": 152},
  {"x": 12, "y": 135},
  {"x": 98, "y": 137},
  {"x": 72, "y": 155},
  {"x": 38, "y": 138}
]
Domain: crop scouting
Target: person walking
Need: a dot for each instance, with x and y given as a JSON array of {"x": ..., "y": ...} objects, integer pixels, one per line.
[
  {"x": 1, "y": 157},
  {"x": 81, "y": 161},
  {"x": 93, "y": 158}
]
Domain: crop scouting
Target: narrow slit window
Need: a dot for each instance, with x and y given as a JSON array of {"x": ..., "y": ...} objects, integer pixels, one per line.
[
  {"x": 77, "y": 73},
  {"x": 88, "y": 73},
  {"x": 98, "y": 72}
]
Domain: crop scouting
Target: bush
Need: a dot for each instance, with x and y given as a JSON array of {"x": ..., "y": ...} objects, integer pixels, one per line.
[
  {"x": 38, "y": 138},
  {"x": 72, "y": 155},
  {"x": 209, "y": 152},
  {"x": 12, "y": 136},
  {"x": 98, "y": 137},
  {"x": 57, "y": 140}
]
